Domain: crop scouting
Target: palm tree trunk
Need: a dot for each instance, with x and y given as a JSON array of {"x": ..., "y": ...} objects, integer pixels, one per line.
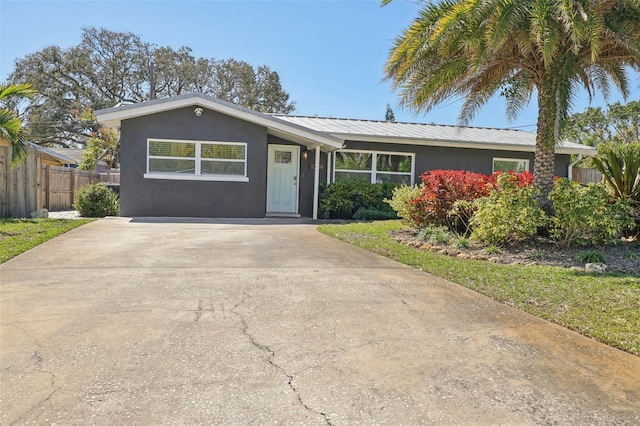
[{"x": 545, "y": 148}]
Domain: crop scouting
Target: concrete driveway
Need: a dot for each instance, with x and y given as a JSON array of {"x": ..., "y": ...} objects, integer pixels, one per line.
[{"x": 143, "y": 322}]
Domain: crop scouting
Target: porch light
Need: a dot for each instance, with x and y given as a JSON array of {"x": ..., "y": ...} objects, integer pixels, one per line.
[
  {"x": 198, "y": 112},
  {"x": 305, "y": 154}
]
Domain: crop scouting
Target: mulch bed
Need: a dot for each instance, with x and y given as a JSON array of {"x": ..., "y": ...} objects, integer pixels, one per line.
[{"x": 623, "y": 257}]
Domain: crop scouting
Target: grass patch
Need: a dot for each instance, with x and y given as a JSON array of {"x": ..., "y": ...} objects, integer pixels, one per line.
[
  {"x": 605, "y": 307},
  {"x": 20, "y": 235}
]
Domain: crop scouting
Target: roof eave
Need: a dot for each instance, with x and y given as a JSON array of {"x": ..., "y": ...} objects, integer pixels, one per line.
[
  {"x": 113, "y": 117},
  {"x": 450, "y": 143},
  {"x": 54, "y": 156}
]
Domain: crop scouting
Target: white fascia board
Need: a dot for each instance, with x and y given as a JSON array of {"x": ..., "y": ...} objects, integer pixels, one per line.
[
  {"x": 113, "y": 117},
  {"x": 463, "y": 144},
  {"x": 326, "y": 146}
]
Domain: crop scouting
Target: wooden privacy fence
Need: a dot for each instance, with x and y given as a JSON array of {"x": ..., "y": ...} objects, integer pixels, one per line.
[
  {"x": 59, "y": 184},
  {"x": 19, "y": 185},
  {"x": 34, "y": 185},
  {"x": 586, "y": 175}
]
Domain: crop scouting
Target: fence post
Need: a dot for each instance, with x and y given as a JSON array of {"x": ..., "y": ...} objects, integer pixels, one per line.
[
  {"x": 39, "y": 204},
  {"x": 47, "y": 176},
  {"x": 73, "y": 186},
  {"x": 5, "y": 160}
]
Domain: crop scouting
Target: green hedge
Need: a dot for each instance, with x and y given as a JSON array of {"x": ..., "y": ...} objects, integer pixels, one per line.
[{"x": 343, "y": 199}]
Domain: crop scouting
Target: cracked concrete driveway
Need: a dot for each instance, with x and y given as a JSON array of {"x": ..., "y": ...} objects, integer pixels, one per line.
[{"x": 198, "y": 322}]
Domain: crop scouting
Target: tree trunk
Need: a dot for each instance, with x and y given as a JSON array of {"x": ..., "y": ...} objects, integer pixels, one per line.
[{"x": 545, "y": 147}]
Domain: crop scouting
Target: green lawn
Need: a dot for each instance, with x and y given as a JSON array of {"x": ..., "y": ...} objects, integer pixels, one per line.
[
  {"x": 605, "y": 307},
  {"x": 20, "y": 235}
]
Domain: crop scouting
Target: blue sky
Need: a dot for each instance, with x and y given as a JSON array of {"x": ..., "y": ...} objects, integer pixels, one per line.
[{"x": 329, "y": 54}]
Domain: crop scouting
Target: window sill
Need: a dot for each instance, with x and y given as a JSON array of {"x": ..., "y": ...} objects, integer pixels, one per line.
[{"x": 218, "y": 178}]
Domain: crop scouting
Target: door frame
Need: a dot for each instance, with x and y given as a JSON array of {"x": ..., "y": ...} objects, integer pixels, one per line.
[{"x": 296, "y": 156}]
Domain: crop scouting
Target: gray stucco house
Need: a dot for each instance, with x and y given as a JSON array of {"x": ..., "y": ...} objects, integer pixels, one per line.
[{"x": 196, "y": 156}]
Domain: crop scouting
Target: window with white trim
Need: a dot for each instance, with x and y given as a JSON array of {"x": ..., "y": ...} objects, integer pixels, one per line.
[
  {"x": 197, "y": 160},
  {"x": 374, "y": 166},
  {"x": 510, "y": 164}
]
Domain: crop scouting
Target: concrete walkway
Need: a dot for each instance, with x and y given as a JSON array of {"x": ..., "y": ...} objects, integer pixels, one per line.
[{"x": 192, "y": 322}]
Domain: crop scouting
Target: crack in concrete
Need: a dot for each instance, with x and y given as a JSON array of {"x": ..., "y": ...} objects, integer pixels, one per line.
[
  {"x": 38, "y": 361},
  {"x": 270, "y": 360}
]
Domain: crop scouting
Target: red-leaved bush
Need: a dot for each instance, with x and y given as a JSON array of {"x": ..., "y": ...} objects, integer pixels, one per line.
[
  {"x": 520, "y": 178},
  {"x": 442, "y": 188}
]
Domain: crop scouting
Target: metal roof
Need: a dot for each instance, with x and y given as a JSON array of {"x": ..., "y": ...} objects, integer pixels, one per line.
[
  {"x": 430, "y": 134},
  {"x": 53, "y": 155},
  {"x": 75, "y": 154}
]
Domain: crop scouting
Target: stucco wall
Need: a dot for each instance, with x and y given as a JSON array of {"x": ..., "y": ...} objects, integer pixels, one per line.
[
  {"x": 194, "y": 198},
  {"x": 476, "y": 160},
  {"x": 160, "y": 197}
]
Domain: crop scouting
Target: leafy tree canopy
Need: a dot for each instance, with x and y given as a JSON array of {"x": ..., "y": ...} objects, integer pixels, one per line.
[
  {"x": 103, "y": 146},
  {"x": 618, "y": 123},
  {"x": 108, "y": 67}
]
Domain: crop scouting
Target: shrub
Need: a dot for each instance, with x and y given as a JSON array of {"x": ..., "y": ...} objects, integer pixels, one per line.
[
  {"x": 401, "y": 202},
  {"x": 520, "y": 179},
  {"x": 341, "y": 200},
  {"x": 96, "y": 200},
  {"x": 508, "y": 215},
  {"x": 619, "y": 163},
  {"x": 374, "y": 214},
  {"x": 441, "y": 189},
  {"x": 584, "y": 214},
  {"x": 461, "y": 214}
]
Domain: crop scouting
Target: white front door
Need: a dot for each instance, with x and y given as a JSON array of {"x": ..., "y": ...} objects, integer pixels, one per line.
[{"x": 282, "y": 179}]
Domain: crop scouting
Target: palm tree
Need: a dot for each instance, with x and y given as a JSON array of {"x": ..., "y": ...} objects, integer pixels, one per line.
[
  {"x": 475, "y": 49},
  {"x": 11, "y": 131}
]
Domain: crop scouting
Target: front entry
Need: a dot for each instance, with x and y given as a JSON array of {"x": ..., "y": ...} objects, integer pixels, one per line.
[{"x": 282, "y": 179}]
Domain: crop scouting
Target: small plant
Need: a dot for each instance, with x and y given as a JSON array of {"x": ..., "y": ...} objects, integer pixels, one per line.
[
  {"x": 536, "y": 255},
  {"x": 97, "y": 200},
  {"x": 425, "y": 233},
  {"x": 461, "y": 243},
  {"x": 440, "y": 236},
  {"x": 632, "y": 255},
  {"x": 492, "y": 249},
  {"x": 434, "y": 235},
  {"x": 591, "y": 256}
]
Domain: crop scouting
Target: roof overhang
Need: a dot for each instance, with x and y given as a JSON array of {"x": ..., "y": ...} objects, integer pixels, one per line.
[
  {"x": 113, "y": 117},
  {"x": 560, "y": 149},
  {"x": 51, "y": 157}
]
